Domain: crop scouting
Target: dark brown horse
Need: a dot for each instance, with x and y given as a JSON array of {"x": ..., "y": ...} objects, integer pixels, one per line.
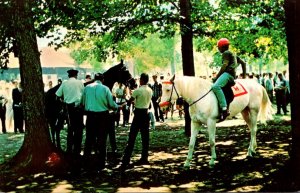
[{"x": 54, "y": 107}]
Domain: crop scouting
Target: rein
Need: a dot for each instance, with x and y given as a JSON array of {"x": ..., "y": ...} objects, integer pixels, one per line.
[
  {"x": 128, "y": 81},
  {"x": 174, "y": 88},
  {"x": 200, "y": 98}
]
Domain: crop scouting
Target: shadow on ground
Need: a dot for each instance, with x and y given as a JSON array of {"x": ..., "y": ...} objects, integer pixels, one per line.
[{"x": 234, "y": 171}]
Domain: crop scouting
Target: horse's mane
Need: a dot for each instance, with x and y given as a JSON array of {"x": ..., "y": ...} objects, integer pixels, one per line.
[{"x": 204, "y": 84}]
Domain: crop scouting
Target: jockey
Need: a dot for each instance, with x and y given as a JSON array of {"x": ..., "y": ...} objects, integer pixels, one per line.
[{"x": 226, "y": 74}]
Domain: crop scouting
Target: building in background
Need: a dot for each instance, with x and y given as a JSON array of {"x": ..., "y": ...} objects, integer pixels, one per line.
[{"x": 54, "y": 65}]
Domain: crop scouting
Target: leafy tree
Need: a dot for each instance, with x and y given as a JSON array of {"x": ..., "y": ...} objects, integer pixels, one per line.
[
  {"x": 255, "y": 27},
  {"x": 19, "y": 30}
]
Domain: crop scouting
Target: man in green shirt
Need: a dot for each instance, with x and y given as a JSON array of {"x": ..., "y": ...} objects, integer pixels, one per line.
[{"x": 97, "y": 100}]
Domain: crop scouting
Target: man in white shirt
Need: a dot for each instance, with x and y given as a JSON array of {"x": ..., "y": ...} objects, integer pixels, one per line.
[
  {"x": 71, "y": 91},
  {"x": 142, "y": 98}
]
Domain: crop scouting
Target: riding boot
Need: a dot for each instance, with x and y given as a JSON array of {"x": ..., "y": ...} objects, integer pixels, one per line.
[{"x": 224, "y": 114}]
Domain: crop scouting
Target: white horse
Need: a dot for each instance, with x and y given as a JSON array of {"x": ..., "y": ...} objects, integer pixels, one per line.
[{"x": 251, "y": 100}]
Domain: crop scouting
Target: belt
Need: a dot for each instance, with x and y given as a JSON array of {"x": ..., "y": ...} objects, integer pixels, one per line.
[
  {"x": 140, "y": 110},
  {"x": 93, "y": 112}
]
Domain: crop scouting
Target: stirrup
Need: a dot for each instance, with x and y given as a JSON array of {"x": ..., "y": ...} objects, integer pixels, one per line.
[{"x": 223, "y": 115}]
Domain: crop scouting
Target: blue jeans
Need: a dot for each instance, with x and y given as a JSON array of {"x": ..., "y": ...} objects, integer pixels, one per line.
[{"x": 217, "y": 88}]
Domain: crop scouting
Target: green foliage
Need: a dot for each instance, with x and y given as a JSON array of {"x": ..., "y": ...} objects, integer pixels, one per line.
[
  {"x": 255, "y": 28},
  {"x": 151, "y": 53},
  {"x": 105, "y": 24},
  {"x": 7, "y": 43}
]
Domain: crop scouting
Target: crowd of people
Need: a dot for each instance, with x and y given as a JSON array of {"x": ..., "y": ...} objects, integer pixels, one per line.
[
  {"x": 278, "y": 89},
  {"x": 11, "y": 112},
  {"x": 91, "y": 105}
]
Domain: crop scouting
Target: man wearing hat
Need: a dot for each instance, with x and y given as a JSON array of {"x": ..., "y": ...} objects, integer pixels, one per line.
[{"x": 71, "y": 91}]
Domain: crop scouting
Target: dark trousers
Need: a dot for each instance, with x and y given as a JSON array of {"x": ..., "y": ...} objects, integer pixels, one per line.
[
  {"x": 2, "y": 117},
  {"x": 96, "y": 135},
  {"x": 270, "y": 94},
  {"x": 157, "y": 111},
  {"x": 127, "y": 113},
  {"x": 140, "y": 122},
  {"x": 281, "y": 101},
  {"x": 75, "y": 127},
  {"x": 111, "y": 131},
  {"x": 18, "y": 119},
  {"x": 118, "y": 114}
]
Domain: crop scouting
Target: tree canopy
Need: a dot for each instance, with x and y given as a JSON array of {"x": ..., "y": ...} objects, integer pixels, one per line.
[{"x": 256, "y": 29}]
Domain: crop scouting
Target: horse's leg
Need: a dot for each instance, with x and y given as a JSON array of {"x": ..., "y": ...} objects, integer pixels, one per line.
[
  {"x": 250, "y": 116},
  {"x": 52, "y": 129},
  {"x": 172, "y": 110},
  {"x": 58, "y": 138},
  {"x": 194, "y": 133},
  {"x": 211, "y": 126},
  {"x": 58, "y": 127}
]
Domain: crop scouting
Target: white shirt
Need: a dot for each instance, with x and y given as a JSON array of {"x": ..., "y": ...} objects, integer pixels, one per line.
[
  {"x": 71, "y": 90},
  {"x": 142, "y": 97}
]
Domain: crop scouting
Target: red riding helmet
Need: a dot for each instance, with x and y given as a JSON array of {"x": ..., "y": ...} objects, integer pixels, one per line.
[{"x": 223, "y": 42}]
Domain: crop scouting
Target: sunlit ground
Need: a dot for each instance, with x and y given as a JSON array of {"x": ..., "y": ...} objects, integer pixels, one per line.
[{"x": 233, "y": 172}]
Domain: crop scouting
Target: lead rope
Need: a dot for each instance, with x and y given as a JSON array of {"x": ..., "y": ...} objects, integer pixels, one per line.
[{"x": 200, "y": 98}]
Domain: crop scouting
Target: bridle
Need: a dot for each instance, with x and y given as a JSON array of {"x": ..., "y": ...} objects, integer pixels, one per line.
[
  {"x": 168, "y": 102},
  {"x": 174, "y": 88},
  {"x": 128, "y": 84}
]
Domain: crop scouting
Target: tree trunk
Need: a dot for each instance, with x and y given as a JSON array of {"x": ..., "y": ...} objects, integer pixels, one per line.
[
  {"x": 292, "y": 8},
  {"x": 186, "y": 30},
  {"x": 37, "y": 145}
]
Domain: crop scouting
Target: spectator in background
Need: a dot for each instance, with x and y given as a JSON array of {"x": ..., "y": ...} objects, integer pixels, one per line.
[
  {"x": 3, "y": 101},
  {"x": 50, "y": 84},
  {"x": 280, "y": 93},
  {"x": 288, "y": 92},
  {"x": 18, "y": 108},
  {"x": 9, "y": 115},
  {"x": 88, "y": 79},
  {"x": 263, "y": 79},
  {"x": 157, "y": 92},
  {"x": 120, "y": 94},
  {"x": 269, "y": 86}
]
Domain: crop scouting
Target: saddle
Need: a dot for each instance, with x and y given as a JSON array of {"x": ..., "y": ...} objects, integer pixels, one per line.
[{"x": 229, "y": 95}]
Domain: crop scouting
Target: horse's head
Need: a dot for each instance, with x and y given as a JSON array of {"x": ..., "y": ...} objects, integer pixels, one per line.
[
  {"x": 119, "y": 73},
  {"x": 169, "y": 94}
]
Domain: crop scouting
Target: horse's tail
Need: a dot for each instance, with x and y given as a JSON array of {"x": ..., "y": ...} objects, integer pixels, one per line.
[{"x": 266, "y": 110}]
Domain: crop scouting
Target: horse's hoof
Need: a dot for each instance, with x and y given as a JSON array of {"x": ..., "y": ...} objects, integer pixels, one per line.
[
  {"x": 251, "y": 154},
  {"x": 186, "y": 166},
  {"x": 211, "y": 164}
]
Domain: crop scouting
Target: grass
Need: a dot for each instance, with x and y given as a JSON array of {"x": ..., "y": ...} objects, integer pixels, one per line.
[{"x": 168, "y": 150}]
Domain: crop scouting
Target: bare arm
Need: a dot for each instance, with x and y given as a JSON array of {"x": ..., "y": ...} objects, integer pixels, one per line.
[
  {"x": 243, "y": 63},
  {"x": 225, "y": 64}
]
